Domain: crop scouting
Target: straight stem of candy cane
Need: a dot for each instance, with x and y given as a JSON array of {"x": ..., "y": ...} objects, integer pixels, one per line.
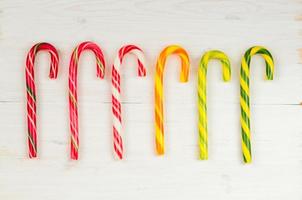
[
  {"x": 184, "y": 75},
  {"x": 73, "y": 85},
  {"x": 202, "y": 95},
  {"x": 116, "y": 93},
  {"x": 245, "y": 95},
  {"x": 31, "y": 90}
]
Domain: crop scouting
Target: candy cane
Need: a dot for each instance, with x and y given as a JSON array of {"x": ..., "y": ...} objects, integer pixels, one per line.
[
  {"x": 184, "y": 75},
  {"x": 31, "y": 90},
  {"x": 116, "y": 93},
  {"x": 245, "y": 93},
  {"x": 73, "y": 85},
  {"x": 202, "y": 95}
]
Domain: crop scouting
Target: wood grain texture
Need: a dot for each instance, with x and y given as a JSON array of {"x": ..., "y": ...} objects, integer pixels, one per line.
[{"x": 230, "y": 26}]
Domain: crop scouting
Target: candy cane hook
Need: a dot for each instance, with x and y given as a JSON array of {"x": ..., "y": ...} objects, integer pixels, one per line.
[
  {"x": 116, "y": 93},
  {"x": 31, "y": 90},
  {"x": 73, "y": 85},
  {"x": 202, "y": 95},
  {"x": 184, "y": 75},
  {"x": 245, "y": 95}
]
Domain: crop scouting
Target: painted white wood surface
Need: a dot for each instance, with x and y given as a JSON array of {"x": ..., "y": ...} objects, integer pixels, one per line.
[{"x": 231, "y": 26}]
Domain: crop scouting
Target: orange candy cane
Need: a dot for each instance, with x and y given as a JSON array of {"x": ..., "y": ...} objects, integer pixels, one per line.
[{"x": 184, "y": 75}]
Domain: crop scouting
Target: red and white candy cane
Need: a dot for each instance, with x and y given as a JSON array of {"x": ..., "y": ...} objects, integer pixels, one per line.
[
  {"x": 116, "y": 93},
  {"x": 73, "y": 85},
  {"x": 31, "y": 90}
]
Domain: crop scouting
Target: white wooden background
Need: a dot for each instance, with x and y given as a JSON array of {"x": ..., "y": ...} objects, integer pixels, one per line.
[{"x": 231, "y": 26}]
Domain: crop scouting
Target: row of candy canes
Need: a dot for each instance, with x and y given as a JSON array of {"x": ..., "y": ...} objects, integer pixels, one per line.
[{"x": 116, "y": 99}]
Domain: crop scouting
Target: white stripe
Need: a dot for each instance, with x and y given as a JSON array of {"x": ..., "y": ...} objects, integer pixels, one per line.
[
  {"x": 117, "y": 125},
  {"x": 117, "y": 65},
  {"x": 32, "y": 109},
  {"x": 53, "y": 64},
  {"x": 30, "y": 60},
  {"x": 32, "y": 122},
  {"x": 73, "y": 84},
  {"x": 85, "y": 45},
  {"x": 29, "y": 74},
  {"x": 74, "y": 129},
  {"x": 140, "y": 56}
]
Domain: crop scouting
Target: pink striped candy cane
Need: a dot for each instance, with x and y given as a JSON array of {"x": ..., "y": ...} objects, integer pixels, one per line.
[
  {"x": 31, "y": 90},
  {"x": 116, "y": 92},
  {"x": 73, "y": 85}
]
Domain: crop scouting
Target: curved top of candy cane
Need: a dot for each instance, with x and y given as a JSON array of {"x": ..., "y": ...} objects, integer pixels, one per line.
[
  {"x": 185, "y": 63},
  {"x": 54, "y": 57},
  {"x": 269, "y": 61},
  {"x": 100, "y": 61},
  {"x": 216, "y": 54},
  {"x": 131, "y": 49}
]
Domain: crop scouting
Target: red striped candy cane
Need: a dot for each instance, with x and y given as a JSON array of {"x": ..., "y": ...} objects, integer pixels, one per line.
[
  {"x": 73, "y": 85},
  {"x": 116, "y": 92},
  {"x": 31, "y": 90}
]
